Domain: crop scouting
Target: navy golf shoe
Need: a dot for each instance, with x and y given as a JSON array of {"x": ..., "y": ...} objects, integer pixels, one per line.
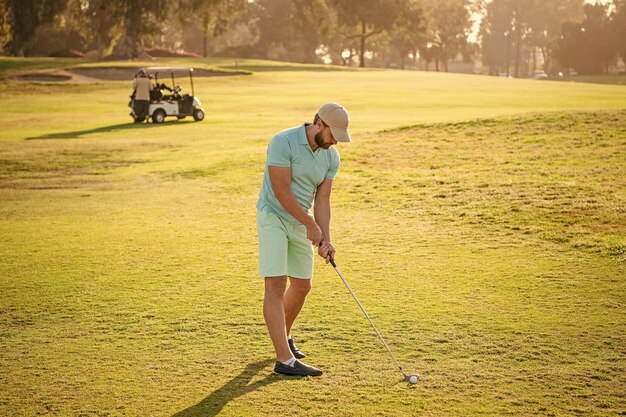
[
  {"x": 297, "y": 353},
  {"x": 298, "y": 369}
]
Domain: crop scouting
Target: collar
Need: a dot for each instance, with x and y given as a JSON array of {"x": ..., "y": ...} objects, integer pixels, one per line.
[{"x": 302, "y": 139}]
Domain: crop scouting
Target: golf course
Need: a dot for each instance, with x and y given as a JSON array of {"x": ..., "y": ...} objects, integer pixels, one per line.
[{"x": 480, "y": 220}]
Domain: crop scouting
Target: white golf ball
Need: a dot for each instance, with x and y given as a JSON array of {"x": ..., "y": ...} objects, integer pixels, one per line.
[{"x": 413, "y": 379}]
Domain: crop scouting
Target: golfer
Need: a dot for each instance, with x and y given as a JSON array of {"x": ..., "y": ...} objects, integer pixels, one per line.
[
  {"x": 142, "y": 87},
  {"x": 299, "y": 171}
]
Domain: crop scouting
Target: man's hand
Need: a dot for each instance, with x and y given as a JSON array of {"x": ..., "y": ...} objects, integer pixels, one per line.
[
  {"x": 327, "y": 251},
  {"x": 314, "y": 233}
]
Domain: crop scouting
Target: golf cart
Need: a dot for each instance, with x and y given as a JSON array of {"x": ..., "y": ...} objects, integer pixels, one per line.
[{"x": 172, "y": 103}]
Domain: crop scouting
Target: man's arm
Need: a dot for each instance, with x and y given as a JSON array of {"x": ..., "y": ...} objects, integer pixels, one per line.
[
  {"x": 281, "y": 180},
  {"x": 322, "y": 217}
]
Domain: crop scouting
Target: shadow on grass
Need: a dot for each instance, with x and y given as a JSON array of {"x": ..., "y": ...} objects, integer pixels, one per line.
[
  {"x": 104, "y": 129},
  {"x": 212, "y": 404}
]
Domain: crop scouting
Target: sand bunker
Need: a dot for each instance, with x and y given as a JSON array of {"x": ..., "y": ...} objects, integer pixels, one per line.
[{"x": 44, "y": 77}]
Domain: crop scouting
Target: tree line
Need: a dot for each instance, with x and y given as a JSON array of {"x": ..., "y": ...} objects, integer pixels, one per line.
[
  {"x": 561, "y": 34},
  {"x": 516, "y": 37}
]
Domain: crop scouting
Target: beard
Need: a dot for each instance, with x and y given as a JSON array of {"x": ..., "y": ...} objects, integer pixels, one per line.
[{"x": 319, "y": 141}]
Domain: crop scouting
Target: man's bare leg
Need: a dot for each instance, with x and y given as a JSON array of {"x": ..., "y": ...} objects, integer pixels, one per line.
[
  {"x": 274, "y": 314},
  {"x": 294, "y": 300}
]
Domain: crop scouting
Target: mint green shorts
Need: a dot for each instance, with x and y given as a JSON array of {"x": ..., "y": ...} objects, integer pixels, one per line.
[{"x": 283, "y": 247}]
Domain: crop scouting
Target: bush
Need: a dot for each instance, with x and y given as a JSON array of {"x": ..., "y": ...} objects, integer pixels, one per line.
[{"x": 54, "y": 41}]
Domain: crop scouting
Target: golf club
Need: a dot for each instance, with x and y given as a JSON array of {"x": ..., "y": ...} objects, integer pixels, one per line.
[{"x": 410, "y": 378}]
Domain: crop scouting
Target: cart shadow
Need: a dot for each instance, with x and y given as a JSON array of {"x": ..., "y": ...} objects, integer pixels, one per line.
[
  {"x": 77, "y": 134},
  {"x": 212, "y": 404}
]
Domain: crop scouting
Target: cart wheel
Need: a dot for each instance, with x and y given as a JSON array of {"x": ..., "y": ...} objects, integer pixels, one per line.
[
  {"x": 158, "y": 116},
  {"x": 198, "y": 115}
]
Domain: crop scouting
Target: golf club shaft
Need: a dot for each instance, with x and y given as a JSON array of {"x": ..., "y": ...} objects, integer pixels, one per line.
[{"x": 332, "y": 262}]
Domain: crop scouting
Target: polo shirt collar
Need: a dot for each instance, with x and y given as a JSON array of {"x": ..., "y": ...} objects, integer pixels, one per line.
[{"x": 302, "y": 139}]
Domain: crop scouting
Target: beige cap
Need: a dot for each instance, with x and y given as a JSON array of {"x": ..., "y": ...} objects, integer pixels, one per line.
[{"x": 338, "y": 119}]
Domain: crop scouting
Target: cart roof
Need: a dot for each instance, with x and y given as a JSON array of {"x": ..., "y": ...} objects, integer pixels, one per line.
[{"x": 167, "y": 70}]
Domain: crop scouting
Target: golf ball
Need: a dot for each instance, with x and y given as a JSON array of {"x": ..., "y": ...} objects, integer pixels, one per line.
[{"x": 413, "y": 379}]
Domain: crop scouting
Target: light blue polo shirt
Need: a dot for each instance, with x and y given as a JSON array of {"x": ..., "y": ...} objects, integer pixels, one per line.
[{"x": 290, "y": 148}]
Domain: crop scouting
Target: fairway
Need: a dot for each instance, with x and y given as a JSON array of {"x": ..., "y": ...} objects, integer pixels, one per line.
[{"x": 481, "y": 221}]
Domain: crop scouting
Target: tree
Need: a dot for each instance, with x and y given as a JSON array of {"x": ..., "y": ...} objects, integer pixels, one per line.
[
  {"x": 545, "y": 19},
  {"x": 587, "y": 46},
  {"x": 618, "y": 23},
  {"x": 363, "y": 19},
  {"x": 507, "y": 23},
  {"x": 512, "y": 31},
  {"x": 409, "y": 32},
  {"x": 292, "y": 29},
  {"x": 122, "y": 26},
  {"x": 136, "y": 19},
  {"x": 342, "y": 50},
  {"x": 495, "y": 33},
  {"x": 5, "y": 25},
  {"x": 23, "y": 17},
  {"x": 211, "y": 16},
  {"x": 92, "y": 20},
  {"x": 597, "y": 26},
  {"x": 429, "y": 53},
  {"x": 448, "y": 25}
]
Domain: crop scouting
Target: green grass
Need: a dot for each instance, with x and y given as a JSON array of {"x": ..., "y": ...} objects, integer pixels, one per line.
[
  {"x": 10, "y": 66},
  {"x": 479, "y": 220}
]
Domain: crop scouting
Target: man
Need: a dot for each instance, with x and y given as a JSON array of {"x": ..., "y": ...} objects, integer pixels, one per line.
[
  {"x": 300, "y": 168},
  {"x": 141, "y": 102}
]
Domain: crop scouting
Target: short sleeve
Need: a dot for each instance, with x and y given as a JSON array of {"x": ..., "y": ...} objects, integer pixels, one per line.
[
  {"x": 279, "y": 152},
  {"x": 334, "y": 164}
]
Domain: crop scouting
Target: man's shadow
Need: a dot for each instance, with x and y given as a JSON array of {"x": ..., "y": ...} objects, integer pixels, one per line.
[{"x": 212, "y": 404}]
